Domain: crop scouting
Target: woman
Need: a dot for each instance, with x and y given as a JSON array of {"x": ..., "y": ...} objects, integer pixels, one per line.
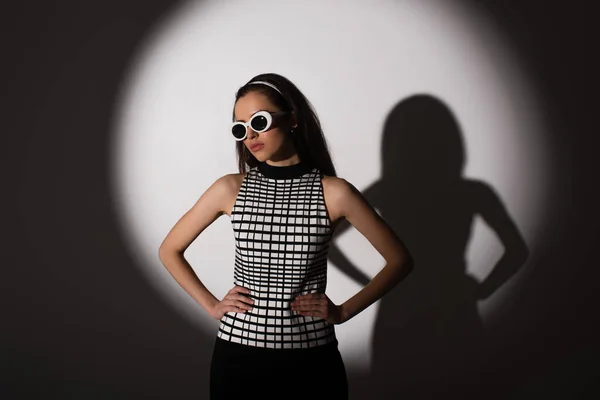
[{"x": 276, "y": 337}]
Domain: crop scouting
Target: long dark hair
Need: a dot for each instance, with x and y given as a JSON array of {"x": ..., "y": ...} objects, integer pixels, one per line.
[{"x": 308, "y": 138}]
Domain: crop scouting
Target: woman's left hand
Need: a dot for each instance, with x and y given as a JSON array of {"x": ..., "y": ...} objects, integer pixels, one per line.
[{"x": 317, "y": 305}]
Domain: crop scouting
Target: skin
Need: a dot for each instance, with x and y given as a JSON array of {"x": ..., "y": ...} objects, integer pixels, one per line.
[{"x": 342, "y": 200}]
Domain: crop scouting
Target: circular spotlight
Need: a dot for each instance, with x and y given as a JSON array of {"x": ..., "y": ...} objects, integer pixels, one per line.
[{"x": 170, "y": 134}]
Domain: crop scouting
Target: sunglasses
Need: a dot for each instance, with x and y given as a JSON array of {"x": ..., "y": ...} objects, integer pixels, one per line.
[{"x": 260, "y": 122}]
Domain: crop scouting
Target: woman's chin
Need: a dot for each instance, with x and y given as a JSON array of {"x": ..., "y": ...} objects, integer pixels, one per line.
[{"x": 259, "y": 156}]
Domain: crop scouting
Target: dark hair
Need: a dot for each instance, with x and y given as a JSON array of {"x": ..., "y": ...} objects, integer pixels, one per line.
[{"x": 308, "y": 138}]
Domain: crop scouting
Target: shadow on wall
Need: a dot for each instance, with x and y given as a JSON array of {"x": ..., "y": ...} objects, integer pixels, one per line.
[{"x": 428, "y": 338}]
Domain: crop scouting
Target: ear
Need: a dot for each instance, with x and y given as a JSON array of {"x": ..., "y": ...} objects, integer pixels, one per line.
[{"x": 294, "y": 122}]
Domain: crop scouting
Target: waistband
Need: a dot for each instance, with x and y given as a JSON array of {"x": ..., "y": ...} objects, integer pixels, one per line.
[{"x": 227, "y": 346}]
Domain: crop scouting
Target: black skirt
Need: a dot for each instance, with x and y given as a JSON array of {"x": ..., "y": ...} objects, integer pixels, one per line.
[{"x": 239, "y": 371}]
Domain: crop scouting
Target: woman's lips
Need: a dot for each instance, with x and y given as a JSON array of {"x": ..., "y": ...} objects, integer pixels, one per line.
[{"x": 257, "y": 146}]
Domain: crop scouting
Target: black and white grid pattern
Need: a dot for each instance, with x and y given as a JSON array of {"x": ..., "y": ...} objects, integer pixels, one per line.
[{"x": 282, "y": 233}]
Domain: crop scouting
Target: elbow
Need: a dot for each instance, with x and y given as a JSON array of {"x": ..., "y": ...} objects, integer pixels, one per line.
[
  {"x": 161, "y": 252},
  {"x": 165, "y": 252},
  {"x": 405, "y": 266}
]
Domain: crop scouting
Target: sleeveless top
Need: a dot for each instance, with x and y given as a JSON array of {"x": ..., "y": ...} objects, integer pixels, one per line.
[{"x": 282, "y": 232}]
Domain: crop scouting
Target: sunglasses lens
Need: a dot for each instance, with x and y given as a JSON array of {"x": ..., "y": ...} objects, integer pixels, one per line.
[
  {"x": 238, "y": 131},
  {"x": 259, "y": 123}
]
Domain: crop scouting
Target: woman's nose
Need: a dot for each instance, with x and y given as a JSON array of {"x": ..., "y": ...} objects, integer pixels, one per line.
[{"x": 251, "y": 133}]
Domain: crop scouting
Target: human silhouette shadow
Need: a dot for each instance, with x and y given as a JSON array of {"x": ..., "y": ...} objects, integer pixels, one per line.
[{"x": 428, "y": 336}]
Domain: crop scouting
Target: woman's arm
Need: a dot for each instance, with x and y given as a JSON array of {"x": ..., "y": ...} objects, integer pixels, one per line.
[
  {"x": 349, "y": 203},
  {"x": 335, "y": 254},
  {"x": 211, "y": 205}
]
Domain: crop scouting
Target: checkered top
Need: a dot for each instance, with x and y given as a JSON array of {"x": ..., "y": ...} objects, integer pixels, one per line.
[{"x": 282, "y": 233}]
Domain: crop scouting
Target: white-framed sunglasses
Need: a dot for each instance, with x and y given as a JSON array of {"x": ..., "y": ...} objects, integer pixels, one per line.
[{"x": 259, "y": 122}]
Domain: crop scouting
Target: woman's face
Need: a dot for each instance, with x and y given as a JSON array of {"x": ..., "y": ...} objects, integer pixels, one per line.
[{"x": 275, "y": 142}]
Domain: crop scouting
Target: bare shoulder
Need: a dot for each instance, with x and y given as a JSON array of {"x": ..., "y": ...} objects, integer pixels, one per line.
[
  {"x": 335, "y": 190},
  {"x": 335, "y": 185},
  {"x": 232, "y": 181},
  {"x": 221, "y": 194},
  {"x": 230, "y": 186}
]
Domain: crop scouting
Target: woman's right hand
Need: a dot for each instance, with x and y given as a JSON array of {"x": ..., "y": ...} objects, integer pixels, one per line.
[{"x": 236, "y": 300}]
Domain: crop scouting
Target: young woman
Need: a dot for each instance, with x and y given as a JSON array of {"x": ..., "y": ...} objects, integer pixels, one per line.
[{"x": 276, "y": 337}]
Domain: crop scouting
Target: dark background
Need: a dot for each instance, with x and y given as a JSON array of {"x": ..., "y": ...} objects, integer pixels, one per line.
[{"x": 69, "y": 329}]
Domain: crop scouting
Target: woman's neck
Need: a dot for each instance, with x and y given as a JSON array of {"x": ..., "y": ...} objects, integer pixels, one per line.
[
  {"x": 295, "y": 159},
  {"x": 284, "y": 171},
  {"x": 283, "y": 161}
]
